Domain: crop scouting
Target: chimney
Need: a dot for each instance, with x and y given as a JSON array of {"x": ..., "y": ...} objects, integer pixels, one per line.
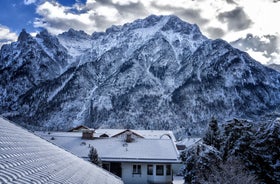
[
  {"x": 87, "y": 134},
  {"x": 128, "y": 137}
]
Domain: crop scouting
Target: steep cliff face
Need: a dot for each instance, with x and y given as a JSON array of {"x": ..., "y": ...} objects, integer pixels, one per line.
[
  {"x": 154, "y": 73},
  {"x": 26, "y": 65}
]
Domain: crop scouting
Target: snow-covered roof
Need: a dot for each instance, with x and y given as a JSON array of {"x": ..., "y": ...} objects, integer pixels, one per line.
[
  {"x": 148, "y": 134},
  {"x": 125, "y": 132},
  {"x": 116, "y": 149},
  {"x": 78, "y": 128},
  {"x": 189, "y": 141},
  {"x": 26, "y": 158}
]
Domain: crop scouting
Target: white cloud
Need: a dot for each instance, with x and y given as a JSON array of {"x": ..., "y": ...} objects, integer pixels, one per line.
[
  {"x": 6, "y": 36},
  {"x": 90, "y": 17},
  {"x": 217, "y": 18},
  {"x": 264, "y": 13},
  {"x": 276, "y": 57},
  {"x": 28, "y": 2},
  {"x": 57, "y": 18},
  {"x": 259, "y": 56},
  {"x": 124, "y": 2},
  {"x": 261, "y": 12},
  {"x": 33, "y": 34},
  {"x": 110, "y": 13}
]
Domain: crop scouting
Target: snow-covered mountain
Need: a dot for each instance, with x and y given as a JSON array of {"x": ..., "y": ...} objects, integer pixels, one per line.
[{"x": 154, "y": 73}]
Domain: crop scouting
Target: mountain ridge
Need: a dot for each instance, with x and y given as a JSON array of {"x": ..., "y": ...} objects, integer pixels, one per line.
[{"x": 154, "y": 73}]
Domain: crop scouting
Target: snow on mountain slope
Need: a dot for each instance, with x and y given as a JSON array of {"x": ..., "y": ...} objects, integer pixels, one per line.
[
  {"x": 26, "y": 158},
  {"x": 154, "y": 73},
  {"x": 76, "y": 42}
]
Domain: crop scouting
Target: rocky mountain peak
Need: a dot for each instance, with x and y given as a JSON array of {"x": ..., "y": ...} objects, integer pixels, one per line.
[
  {"x": 166, "y": 23},
  {"x": 71, "y": 33},
  {"x": 150, "y": 21},
  {"x": 49, "y": 41},
  {"x": 175, "y": 24},
  {"x": 154, "y": 73},
  {"x": 23, "y": 36}
]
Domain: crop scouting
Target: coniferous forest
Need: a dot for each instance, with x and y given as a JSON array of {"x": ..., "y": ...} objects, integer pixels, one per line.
[{"x": 235, "y": 152}]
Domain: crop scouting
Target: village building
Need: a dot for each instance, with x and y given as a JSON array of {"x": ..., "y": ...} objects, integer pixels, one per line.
[
  {"x": 79, "y": 128},
  {"x": 136, "y": 156},
  {"x": 188, "y": 142}
]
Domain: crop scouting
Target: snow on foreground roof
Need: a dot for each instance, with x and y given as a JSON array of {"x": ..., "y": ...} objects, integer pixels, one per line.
[
  {"x": 26, "y": 158},
  {"x": 116, "y": 149}
]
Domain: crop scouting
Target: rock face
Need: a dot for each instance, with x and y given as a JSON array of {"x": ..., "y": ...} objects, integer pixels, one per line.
[{"x": 154, "y": 73}]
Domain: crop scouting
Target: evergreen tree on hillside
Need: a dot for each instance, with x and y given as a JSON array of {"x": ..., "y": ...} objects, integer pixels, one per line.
[
  {"x": 231, "y": 171},
  {"x": 93, "y": 156},
  {"x": 212, "y": 136},
  {"x": 199, "y": 160},
  {"x": 265, "y": 154},
  {"x": 236, "y": 138},
  {"x": 247, "y": 150}
]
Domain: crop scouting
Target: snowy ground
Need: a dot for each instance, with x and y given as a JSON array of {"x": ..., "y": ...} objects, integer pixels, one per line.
[{"x": 178, "y": 180}]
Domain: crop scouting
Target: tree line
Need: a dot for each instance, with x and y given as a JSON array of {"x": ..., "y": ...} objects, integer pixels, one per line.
[{"x": 238, "y": 151}]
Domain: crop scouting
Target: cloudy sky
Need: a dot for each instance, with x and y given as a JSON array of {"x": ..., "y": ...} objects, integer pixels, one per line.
[{"x": 250, "y": 25}]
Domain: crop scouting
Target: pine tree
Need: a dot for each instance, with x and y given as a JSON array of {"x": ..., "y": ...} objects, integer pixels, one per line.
[
  {"x": 200, "y": 158},
  {"x": 236, "y": 138},
  {"x": 232, "y": 171},
  {"x": 265, "y": 154},
  {"x": 212, "y": 136},
  {"x": 247, "y": 151},
  {"x": 93, "y": 156}
]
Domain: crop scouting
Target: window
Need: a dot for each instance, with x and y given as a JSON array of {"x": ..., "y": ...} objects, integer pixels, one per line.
[
  {"x": 106, "y": 166},
  {"x": 168, "y": 169},
  {"x": 150, "y": 170},
  {"x": 136, "y": 169},
  {"x": 159, "y": 170}
]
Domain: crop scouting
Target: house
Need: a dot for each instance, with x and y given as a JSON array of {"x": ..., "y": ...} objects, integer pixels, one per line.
[
  {"x": 138, "y": 157},
  {"x": 148, "y": 134},
  {"x": 26, "y": 158},
  {"x": 79, "y": 128},
  {"x": 182, "y": 145}
]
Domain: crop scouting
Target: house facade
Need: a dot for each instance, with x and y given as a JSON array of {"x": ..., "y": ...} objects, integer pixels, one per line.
[
  {"x": 141, "y": 173},
  {"x": 140, "y": 160}
]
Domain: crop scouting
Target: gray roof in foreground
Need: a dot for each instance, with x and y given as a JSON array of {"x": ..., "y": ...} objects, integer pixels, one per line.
[{"x": 26, "y": 158}]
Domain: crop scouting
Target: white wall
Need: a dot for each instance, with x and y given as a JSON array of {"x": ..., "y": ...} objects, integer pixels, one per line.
[
  {"x": 129, "y": 178},
  {"x": 164, "y": 179}
]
